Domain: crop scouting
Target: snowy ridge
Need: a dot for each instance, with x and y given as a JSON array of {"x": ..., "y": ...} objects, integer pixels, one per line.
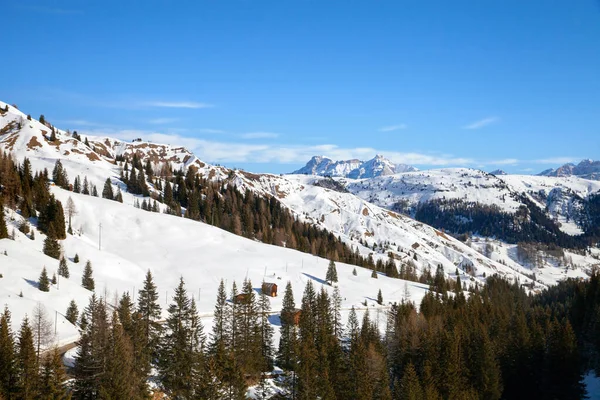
[
  {"x": 588, "y": 169},
  {"x": 354, "y": 169}
]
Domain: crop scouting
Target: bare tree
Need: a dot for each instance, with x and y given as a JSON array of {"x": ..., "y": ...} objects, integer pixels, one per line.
[
  {"x": 71, "y": 210},
  {"x": 42, "y": 328}
]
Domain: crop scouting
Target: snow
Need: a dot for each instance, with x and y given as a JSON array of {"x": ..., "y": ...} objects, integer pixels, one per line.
[{"x": 592, "y": 385}]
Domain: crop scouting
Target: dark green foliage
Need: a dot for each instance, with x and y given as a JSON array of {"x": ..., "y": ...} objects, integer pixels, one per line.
[
  {"x": 52, "y": 247},
  {"x": 149, "y": 314},
  {"x": 331, "y": 275},
  {"x": 76, "y": 258},
  {"x": 52, "y": 378},
  {"x": 27, "y": 368},
  {"x": 8, "y": 358},
  {"x": 72, "y": 312},
  {"x": 87, "y": 280},
  {"x": 3, "y": 228},
  {"x": 63, "y": 269},
  {"x": 374, "y": 274},
  {"x": 107, "y": 192},
  {"x": 43, "y": 281},
  {"x": 379, "y": 297},
  {"x": 52, "y": 219},
  {"x": 59, "y": 175}
]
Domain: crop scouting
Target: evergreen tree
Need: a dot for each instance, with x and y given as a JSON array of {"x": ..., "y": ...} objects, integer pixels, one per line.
[
  {"x": 3, "y": 228},
  {"x": 118, "y": 380},
  {"x": 26, "y": 363},
  {"x": 107, "y": 192},
  {"x": 8, "y": 361},
  {"x": 94, "y": 191},
  {"x": 354, "y": 272},
  {"x": 76, "y": 258},
  {"x": 331, "y": 275},
  {"x": 374, "y": 274},
  {"x": 288, "y": 334},
  {"x": 266, "y": 333},
  {"x": 149, "y": 312},
  {"x": 51, "y": 247},
  {"x": 87, "y": 280},
  {"x": 63, "y": 269},
  {"x": 77, "y": 184},
  {"x": 52, "y": 378},
  {"x": 379, "y": 297},
  {"x": 86, "y": 186},
  {"x": 220, "y": 336},
  {"x": 181, "y": 359},
  {"x": 43, "y": 281},
  {"x": 410, "y": 387},
  {"x": 72, "y": 312}
]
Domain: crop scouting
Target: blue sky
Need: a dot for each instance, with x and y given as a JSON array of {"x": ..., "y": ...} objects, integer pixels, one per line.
[{"x": 264, "y": 85}]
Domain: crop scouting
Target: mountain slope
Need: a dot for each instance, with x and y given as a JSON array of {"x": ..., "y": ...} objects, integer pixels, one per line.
[
  {"x": 587, "y": 169},
  {"x": 354, "y": 169}
]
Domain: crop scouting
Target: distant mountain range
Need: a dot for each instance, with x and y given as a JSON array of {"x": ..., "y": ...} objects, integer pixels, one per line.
[
  {"x": 354, "y": 169},
  {"x": 588, "y": 169}
]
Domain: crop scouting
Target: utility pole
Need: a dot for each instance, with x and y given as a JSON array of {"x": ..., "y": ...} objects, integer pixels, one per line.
[
  {"x": 100, "y": 236},
  {"x": 55, "y": 319}
]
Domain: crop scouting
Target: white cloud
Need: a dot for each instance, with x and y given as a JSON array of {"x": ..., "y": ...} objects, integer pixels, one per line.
[
  {"x": 392, "y": 128},
  {"x": 557, "y": 160},
  {"x": 160, "y": 121},
  {"x": 231, "y": 152},
  {"x": 175, "y": 104},
  {"x": 481, "y": 123},
  {"x": 208, "y": 130},
  {"x": 259, "y": 135}
]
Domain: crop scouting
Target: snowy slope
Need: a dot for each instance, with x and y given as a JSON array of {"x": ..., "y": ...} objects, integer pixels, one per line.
[
  {"x": 355, "y": 169},
  {"x": 560, "y": 196}
]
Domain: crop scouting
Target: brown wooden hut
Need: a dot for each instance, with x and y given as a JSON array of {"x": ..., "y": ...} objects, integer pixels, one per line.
[
  {"x": 294, "y": 316},
  {"x": 270, "y": 289}
]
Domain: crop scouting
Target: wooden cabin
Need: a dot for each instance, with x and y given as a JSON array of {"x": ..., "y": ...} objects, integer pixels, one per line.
[
  {"x": 240, "y": 298},
  {"x": 295, "y": 316},
  {"x": 270, "y": 289}
]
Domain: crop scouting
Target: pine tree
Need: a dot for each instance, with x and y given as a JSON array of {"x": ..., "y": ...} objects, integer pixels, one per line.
[
  {"x": 51, "y": 247},
  {"x": 410, "y": 387},
  {"x": 53, "y": 280},
  {"x": 331, "y": 275},
  {"x": 107, "y": 192},
  {"x": 76, "y": 258},
  {"x": 43, "y": 281},
  {"x": 180, "y": 358},
  {"x": 379, "y": 297},
  {"x": 86, "y": 186},
  {"x": 63, "y": 269},
  {"x": 8, "y": 361},
  {"x": 374, "y": 274},
  {"x": 220, "y": 336},
  {"x": 72, "y": 312},
  {"x": 354, "y": 272},
  {"x": 52, "y": 378},
  {"x": 266, "y": 333},
  {"x": 26, "y": 363},
  {"x": 117, "y": 381},
  {"x": 94, "y": 191},
  {"x": 3, "y": 228},
  {"x": 150, "y": 312},
  {"x": 87, "y": 280},
  {"x": 288, "y": 334}
]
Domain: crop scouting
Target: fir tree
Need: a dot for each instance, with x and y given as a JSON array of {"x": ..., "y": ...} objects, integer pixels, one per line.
[
  {"x": 107, "y": 192},
  {"x": 288, "y": 334},
  {"x": 87, "y": 280},
  {"x": 76, "y": 258},
  {"x": 63, "y": 269},
  {"x": 266, "y": 333},
  {"x": 8, "y": 361},
  {"x": 410, "y": 387},
  {"x": 150, "y": 312},
  {"x": 3, "y": 228},
  {"x": 53, "y": 377},
  {"x": 43, "y": 281},
  {"x": 86, "y": 186},
  {"x": 379, "y": 297},
  {"x": 180, "y": 358},
  {"x": 220, "y": 336},
  {"x": 374, "y": 274},
  {"x": 53, "y": 280},
  {"x": 331, "y": 275},
  {"x": 26, "y": 363},
  {"x": 72, "y": 312},
  {"x": 51, "y": 247},
  {"x": 354, "y": 272},
  {"x": 94, "y": 191}
]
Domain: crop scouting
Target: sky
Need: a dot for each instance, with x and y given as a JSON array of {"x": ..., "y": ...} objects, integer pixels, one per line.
[{"x": 265, "y": 85}]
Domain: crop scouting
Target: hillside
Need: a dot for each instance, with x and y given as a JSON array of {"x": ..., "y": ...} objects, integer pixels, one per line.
[{"x": 354, "y": 169}]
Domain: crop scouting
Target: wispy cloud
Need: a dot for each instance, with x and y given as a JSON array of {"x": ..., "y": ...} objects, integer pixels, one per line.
[
  {"x": 175, "y": 104},
  {"x": 505, "y": 161},
  {"x": 557, "y": 160},
  {"x": 392, "y": 128},
  {"x": 482, "y": 123},
  {"x": 208, "y": 130},
  {"x": 161, "y": 121},
  {"x": 259, "y": 135},
  {"x": 235, "y": 152}
]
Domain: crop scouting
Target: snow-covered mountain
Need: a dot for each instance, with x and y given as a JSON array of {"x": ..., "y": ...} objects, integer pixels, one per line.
[
  {"x": 134, "y": 240},
  {"x": 587, "y": 169},
  {"x": 354, "y": 169}
]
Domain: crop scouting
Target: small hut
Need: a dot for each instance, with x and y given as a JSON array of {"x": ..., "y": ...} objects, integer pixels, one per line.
[
  {"x": 293, "y": 316},
  {"x": 270, "y": 289},
  {"x": 240, "y": 298}
]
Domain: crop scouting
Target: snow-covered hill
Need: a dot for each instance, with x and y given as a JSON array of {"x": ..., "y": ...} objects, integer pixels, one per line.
[
  {"x": 588, "y": 169},
  {"x": 134, "y": 240},
  {"x": 354, "y": 169}
]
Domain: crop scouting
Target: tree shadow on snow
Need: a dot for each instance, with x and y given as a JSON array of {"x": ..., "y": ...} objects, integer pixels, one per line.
[
  {"x": 35, "y": 284},
  {"x": 275, "y": 320},
  {"x": 314, "y": 278}
]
